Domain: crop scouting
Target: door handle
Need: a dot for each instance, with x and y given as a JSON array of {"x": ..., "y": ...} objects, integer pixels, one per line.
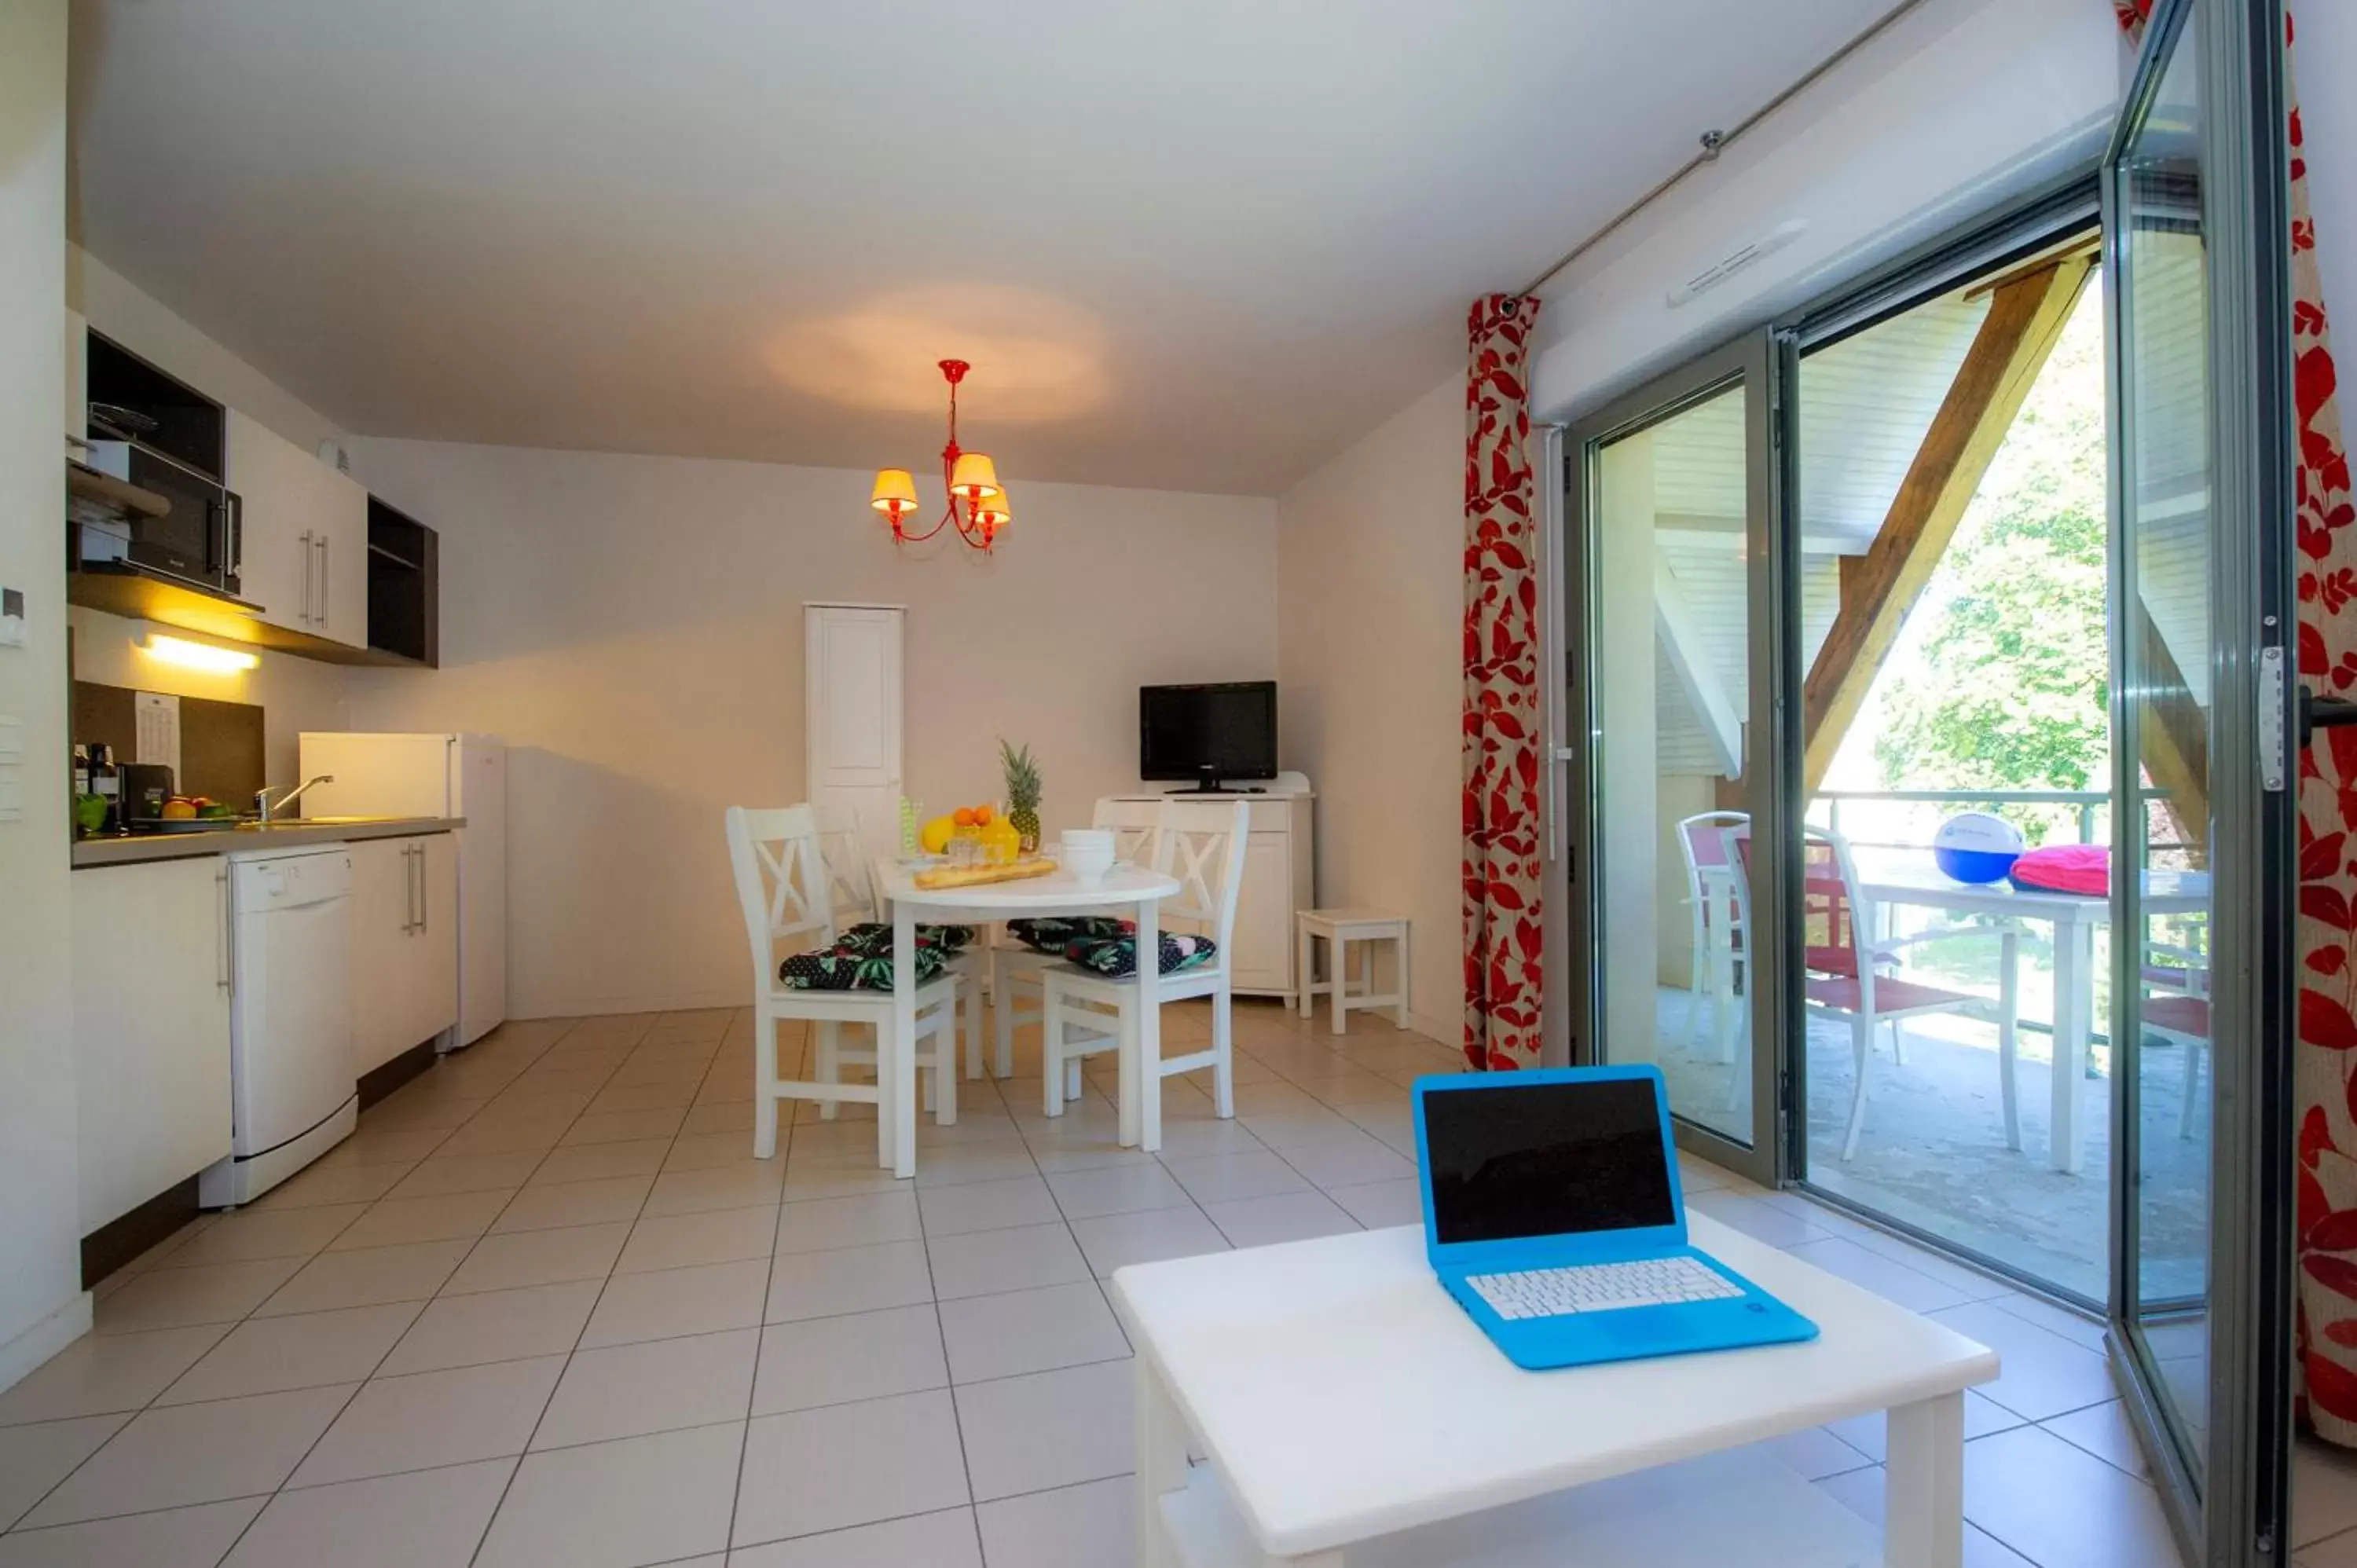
[
  {"x": 2321, "y": 713},
  {"x": 227, "y": 979}
]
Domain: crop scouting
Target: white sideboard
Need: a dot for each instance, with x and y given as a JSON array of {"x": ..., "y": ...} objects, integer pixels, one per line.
[{"x": 1277, "y": 881}]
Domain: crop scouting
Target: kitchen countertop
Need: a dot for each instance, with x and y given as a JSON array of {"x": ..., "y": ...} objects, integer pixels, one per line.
[{"x": 90, "y": 853}]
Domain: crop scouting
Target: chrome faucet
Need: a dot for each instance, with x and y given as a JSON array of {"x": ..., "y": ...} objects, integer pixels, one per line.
[{"x": 262, "y": 796}]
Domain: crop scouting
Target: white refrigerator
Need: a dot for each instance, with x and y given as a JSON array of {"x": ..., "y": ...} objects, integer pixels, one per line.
[{"x": 436, "y": 776}]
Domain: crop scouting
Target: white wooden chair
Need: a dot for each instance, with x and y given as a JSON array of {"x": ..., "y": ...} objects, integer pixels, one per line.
[
  {"x": 1201, "y": 843},
  {"x": 1014, "y": 969},
  {"x": 1715, "y": 925},
  {"x": 789, "y": 895},
  {"x": 851, "y": 875}
]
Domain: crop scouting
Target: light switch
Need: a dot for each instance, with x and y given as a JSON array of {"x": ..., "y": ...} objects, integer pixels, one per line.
[
  {"x": 12, "y": 740},
  {"x": 12, "y": 617},
  {"x": 12, "y": 795}
]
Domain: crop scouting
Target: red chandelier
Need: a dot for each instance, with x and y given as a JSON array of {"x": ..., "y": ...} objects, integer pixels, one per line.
[{"x": 977, "y": 501}]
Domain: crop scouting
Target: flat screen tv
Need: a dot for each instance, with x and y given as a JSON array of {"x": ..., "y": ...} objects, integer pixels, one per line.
[{"x": 1208, "y": 733}]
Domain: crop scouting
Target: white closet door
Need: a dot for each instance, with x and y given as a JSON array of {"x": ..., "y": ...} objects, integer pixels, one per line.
[{"x": 852, "y": 671}]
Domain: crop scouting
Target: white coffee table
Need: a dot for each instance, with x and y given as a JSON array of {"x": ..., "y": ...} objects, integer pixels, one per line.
[
  {"x": 1123, "y": 891},
  {"x": 1352, "y": 1414}
]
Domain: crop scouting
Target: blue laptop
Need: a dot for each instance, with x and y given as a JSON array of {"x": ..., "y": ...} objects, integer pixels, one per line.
[{"x": 1552, "y": 1214}]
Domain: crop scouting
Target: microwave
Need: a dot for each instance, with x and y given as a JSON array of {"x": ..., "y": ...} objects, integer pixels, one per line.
[{"x": 198, "y": 541}]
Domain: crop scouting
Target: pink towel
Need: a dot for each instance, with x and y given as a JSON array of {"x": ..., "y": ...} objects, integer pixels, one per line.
[{"x": 2066, "y": 868}]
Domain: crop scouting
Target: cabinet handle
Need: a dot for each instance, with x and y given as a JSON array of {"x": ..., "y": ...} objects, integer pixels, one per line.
[
  {"x": 324, "y": 601},
  {"x": 310, "y": 591},
  {"x": 424, "y": 908},
  {"x": 408, "y": 889},
  {"x": 227, "y": 979}
]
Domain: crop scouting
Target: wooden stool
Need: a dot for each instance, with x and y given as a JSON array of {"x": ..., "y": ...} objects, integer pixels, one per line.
[{"x": 1340, "y": 928}]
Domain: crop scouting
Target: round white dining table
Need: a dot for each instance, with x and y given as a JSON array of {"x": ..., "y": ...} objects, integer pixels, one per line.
[{"x": 1124, "y": 891}]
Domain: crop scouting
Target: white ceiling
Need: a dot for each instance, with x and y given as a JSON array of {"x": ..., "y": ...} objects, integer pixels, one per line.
[{"x": 1197, "y": 244}]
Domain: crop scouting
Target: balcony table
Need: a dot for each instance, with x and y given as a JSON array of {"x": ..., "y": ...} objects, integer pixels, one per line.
[{"x": 1910, "y": 876}]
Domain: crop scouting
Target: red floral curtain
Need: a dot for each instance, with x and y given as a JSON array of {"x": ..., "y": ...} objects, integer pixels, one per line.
[
  {"x": 1503, "y": 982},
  {"x": 2324, "y": 1063}
]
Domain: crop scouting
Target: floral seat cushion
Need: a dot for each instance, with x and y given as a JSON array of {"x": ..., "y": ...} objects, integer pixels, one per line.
[
  {"x": 1115, "y": 958},
  {"x": 876, "y": 936},
  {"x": 861, "y": 959},
  {"x": 1052, "y": 934}
]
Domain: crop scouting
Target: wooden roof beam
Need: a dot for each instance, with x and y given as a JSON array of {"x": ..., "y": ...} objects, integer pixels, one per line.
[{"x": 2025, "y": 316}]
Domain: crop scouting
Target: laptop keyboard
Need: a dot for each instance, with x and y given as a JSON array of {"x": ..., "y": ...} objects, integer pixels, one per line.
[{"x": 1601, "y": 1287}]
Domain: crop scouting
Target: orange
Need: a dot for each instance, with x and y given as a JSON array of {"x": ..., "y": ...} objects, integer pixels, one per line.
[
  {"x": 964, "y": 817},
  {"x": 981, "y": 815}
]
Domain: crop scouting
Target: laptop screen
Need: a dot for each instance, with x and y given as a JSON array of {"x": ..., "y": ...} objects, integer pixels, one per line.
[{"x": 1546, "y": 1159}]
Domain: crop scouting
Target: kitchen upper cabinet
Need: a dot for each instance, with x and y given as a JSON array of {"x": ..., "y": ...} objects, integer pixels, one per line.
[
  {"x": 151, "y": 989},
  {"x": 304, "y": 555},
  {"x": 405, "y": 945}
]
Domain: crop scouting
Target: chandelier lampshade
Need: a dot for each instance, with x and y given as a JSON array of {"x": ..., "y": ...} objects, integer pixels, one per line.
[
  {"x": 977, "y": 501},
  {"x": 975, "y": 476},
  {"x": 895, "y": 492},
  {"x": 994, "y": 515}
]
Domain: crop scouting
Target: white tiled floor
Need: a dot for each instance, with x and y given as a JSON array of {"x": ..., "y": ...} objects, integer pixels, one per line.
[{"x": 544, "y": 1309}]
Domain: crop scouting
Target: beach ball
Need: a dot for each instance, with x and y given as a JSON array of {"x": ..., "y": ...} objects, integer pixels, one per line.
[{"x": 1974, "y": 846}]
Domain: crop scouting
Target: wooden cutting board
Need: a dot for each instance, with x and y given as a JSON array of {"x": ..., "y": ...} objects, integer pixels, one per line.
[{"x": 980, "y": 875}]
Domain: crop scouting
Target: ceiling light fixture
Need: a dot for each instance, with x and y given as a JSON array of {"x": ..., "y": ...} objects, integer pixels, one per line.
[{"x": 977, "y": 506}]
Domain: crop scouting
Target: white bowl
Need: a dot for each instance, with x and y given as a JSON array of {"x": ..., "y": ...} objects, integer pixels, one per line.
[{"x": 1087, "y": 854}]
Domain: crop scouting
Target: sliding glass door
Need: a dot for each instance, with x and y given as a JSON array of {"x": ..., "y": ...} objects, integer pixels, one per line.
[
  {"x": 1989, "y": 556},
  {"x": 2200, "y": 1308}
]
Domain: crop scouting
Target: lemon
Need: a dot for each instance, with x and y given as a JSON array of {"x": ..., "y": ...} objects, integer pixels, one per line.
[{"x": 935, "y": 837}]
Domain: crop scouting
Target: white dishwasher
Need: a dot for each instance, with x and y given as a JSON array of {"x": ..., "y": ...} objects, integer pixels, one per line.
[{"x": 292, "y": 1093}]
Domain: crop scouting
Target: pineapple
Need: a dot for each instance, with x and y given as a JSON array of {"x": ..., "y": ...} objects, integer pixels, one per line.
[{"x": 1022, "y": 793}]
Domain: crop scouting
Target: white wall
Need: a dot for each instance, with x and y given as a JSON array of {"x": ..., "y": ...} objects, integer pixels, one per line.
[
  {"x": 41, "y": 1302},
  {"x": 633, "y": 626},
  {"x": 296, "y": 694},
  {"x": 1370, "y": 557},
  {"x": 1960, "y": 106}
]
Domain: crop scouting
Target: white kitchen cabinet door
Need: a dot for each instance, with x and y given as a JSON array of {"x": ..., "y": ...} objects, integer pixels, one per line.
[
  {"x": 152, "y": 979},
  {"x": 385, "y": 915},
  {"x": 339, "y": 539},
  {"x": 279, "y": 484},
  {"x": 434, "y": 978},
  {"x": 852, "y": 716}
]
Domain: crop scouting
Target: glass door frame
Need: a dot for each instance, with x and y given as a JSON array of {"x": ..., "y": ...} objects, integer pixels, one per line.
[
  {"x": 1746, "y": 362},
  {"x": 2234, "y": 1510}
]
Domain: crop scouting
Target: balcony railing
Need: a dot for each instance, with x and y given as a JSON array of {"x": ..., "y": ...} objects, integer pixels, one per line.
[{"x": 2083, "y": 814}]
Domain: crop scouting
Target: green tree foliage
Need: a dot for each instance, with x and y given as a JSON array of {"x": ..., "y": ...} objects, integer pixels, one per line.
[{"x": 2006, "y": 683}]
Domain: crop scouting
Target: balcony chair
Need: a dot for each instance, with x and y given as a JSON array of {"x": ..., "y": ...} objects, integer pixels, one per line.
[{"x": 1850, "y": 976}]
